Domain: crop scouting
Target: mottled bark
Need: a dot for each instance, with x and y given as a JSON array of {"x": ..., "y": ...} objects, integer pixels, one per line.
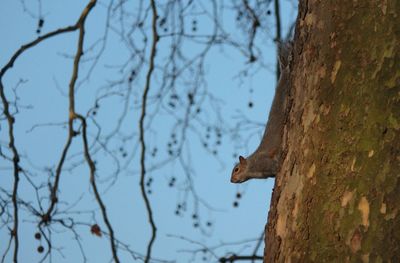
[{"x": 337, "y": 196}]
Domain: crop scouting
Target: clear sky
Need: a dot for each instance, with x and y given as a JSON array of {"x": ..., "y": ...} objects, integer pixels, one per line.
[{"x": 39, "y": 83}]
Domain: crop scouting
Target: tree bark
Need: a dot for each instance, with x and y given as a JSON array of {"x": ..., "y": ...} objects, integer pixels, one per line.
[{"x": 337, "y": 196}]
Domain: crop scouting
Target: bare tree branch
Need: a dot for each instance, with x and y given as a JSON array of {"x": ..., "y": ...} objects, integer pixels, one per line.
[
  {"x": 16, "y": 159},
  {"x": 253, "y": 30},
  {"x": 92, "y": 168},
  {"x": 175, "y": 85},
  {"x": 260, "y": 240},
  {"x": 141, "y": 131},
  {"x": 234, "y": 258},
  {"x": 278, "y": 32},
  {"x": 46, "y": 218},
  {"x": 71, "y": 133}
]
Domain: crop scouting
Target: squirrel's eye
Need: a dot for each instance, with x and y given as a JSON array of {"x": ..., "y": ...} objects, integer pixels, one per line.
[{"x": 236, "y": 170}]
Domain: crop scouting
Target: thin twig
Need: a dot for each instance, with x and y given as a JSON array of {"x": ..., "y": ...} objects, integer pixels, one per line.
[
  {"x": 16, "y": 159},
  {"x": 6, "y": 250},
  {"x": 258, "y": 244},
  {"x": 234, "y": 258},
  {"x": 253, "y": 30},
  {"x": 278, "y": 32}
]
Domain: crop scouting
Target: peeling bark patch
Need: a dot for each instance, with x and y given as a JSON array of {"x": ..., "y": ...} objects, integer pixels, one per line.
[
  {"x": 347, "y": 197},
  {"x": 325, "y": 109},
  {"x": 353, "y": 164},
  {"x": 365, "y": 258},
  {"x": 295, "y": 209},
  {"x": 355, "y": 242},
  {"x": 280, "y": 225},
  {"x": 295, "y": 212},
  {"x": 335, "y": 70},
  {"x": 371, "y": 153},
  {"x": 309, "y": 19},
  {"x": 308, "y": 116},
  {"x": 311, "y": 171},
  {"x": 363, "y": 207},
  {"x": 383, "y": 208},
  {"x": 384, "y": 7}
]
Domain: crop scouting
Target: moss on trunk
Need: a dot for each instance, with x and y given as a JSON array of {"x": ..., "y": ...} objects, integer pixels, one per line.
[{"x": 337, "y": 197}]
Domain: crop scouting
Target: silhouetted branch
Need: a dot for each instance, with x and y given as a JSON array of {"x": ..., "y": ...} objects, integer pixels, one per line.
[
  {"x": 260, "y": 240},
  {"x": 142, "y": 131},
  {"x": 175, "y": 89},
  {"x": 92, "y": 168},
  {"x": 278, "y": 32},
  {"x": 15, "y": 160},
  {"x": 211, "y": 250},
  {"x": 71, "y": 95},
  {"x": 7, "y": 248},
  {"x": 234, "y": 258},
  {"x": 253, "y": 30},
  {"x": 46, "y": 217}
]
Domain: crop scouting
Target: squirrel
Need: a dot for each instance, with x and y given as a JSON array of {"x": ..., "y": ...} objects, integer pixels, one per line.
[{"x": 263, "y": 163}]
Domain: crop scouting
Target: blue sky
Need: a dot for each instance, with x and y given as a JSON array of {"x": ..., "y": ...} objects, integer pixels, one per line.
[{"x": 41, "y": 76}]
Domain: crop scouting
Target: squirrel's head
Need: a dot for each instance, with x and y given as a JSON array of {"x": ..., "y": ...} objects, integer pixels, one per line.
[{"x": 239, "y": 171}]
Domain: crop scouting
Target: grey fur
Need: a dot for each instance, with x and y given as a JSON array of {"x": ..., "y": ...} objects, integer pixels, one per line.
[{"x": 263, "y": 163}]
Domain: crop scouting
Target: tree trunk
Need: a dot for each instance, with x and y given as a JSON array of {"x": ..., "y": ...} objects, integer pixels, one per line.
[{"x": 337, "y": 196}]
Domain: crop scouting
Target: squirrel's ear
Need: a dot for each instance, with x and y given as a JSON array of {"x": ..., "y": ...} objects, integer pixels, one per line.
[{"x": 242, "y": 160}]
